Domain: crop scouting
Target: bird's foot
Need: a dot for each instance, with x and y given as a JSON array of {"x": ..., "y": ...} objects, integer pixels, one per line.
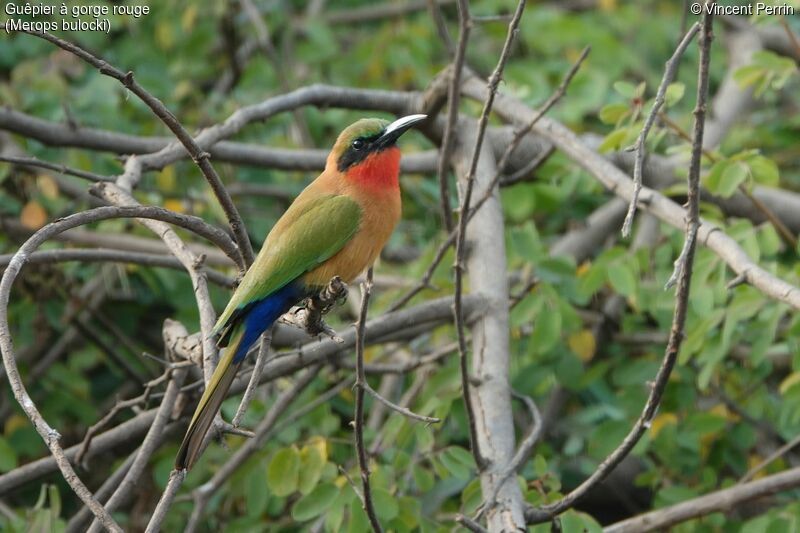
[{"x": 309, "y": 315}]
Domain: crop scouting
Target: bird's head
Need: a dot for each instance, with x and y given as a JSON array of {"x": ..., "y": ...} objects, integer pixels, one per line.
[{"x": 366, "y": 151}]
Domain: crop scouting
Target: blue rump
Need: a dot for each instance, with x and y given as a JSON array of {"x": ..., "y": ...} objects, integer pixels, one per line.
[{"x": 261, "y": 314}]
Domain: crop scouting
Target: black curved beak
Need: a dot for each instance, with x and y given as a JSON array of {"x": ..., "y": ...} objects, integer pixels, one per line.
[{"x": 394, "y": 130}]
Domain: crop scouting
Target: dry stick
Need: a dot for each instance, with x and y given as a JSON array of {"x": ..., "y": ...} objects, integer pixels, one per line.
[
  {"x": 191, "y": 262},
  {"x": 547, "y": 512},
  {"x": 519, "y": 135},
  {"x": 398, "y": 408},
  {"x": 718, "y": 501},
  {"x": 119, "y": 406},
  {"x": 523, "y": 451},
  {"x": 49, "y": 434},
  {"x": 358, "y": 423},
  {"x": 202, "y": 494},
  {"x": 255, "y": 377},
  {"x": 147, "y": 448},
  {"x": 777, "y": 454},
  {"x": 441, "y": 26},
  {"x": 89, "y": 255},
  {"x": 670, "y": 70},
  {"x": 61, "y": 169},
  {"x": 792, "y": 37},
  {"x": 264, "y": 42},
  {"x": 470, "y": 524},
  {"x": 176, "y": 478},
  {"x": 200, "y": 157},
  {"x": 453, "y": 97},
  {"x": 77, "y": 524}
]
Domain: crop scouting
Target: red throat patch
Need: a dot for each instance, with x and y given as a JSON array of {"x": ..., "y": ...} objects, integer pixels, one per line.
[{"x": 379, "y": 170}]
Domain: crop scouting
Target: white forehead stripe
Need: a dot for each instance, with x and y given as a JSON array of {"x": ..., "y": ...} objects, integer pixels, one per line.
[{"x": 402, "y": 122}]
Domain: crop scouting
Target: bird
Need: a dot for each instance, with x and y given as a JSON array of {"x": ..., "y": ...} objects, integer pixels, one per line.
[{"x": 336, "y": 226}]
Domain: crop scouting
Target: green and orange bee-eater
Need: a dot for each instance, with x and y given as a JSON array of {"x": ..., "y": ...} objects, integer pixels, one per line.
[{"x": 336, "y": 227}]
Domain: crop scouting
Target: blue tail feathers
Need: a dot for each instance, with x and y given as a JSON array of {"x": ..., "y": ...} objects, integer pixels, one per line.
[{"x": 261, "y": 314}]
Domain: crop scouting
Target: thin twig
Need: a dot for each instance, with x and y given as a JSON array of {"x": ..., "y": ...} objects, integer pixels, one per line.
[
  {"x": 202, "y": 494},
  {"x": 519, "y": 135},
  {"x": 524, "y": 449},
  {"x": 789, "y": 33},
  {"x": 176, "y": 478},
  {"x": 546, "y": 512},
  {"x": 61, "y": 169},
  {"x": 147, "y": 448},
  {"x": 453, "y": 97},
  {"x": 777, "y": 454},
  {"x": 470, "y": 524},
  {"x": 200, "y": 157},
  {"x": 670, "y": 70},
  {"x": 255, "y": 377},
  {"x": 91, "y": 255},
  {"x": 408, "y": 413},
  {"x": 361, "y": 384}
]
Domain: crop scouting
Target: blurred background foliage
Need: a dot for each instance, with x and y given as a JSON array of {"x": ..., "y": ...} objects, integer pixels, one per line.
[{"x": 733, "y": 399}]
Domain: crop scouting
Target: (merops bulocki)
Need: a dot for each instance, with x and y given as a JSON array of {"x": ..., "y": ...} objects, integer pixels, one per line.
[{"x": 336, "y": 227}]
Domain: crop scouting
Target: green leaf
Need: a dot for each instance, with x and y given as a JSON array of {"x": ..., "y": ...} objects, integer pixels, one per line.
[
  {"x": 613, "y": 113},
  {"x": 8, "y": 456},
  {"x": 422, "y": 478},
  {"x": 748, "y": 75},
  {"x": 674, "y": 93},
  {"x": 734, "y": 175},
  {"x": 546, "y": 329},
  {"x": 283, "y": 471},
  {"x": 315, "y": 502},
  {"x": 764, "y": 171},
  {"x": 457, "y": 461},
  {"x": 625, "y": 88},
  {"x": 621, "y": 278},
  {"x": 385, "y": 504},
  {"x": 613, "y": 140},
  {"x": 311, "y": 465}
]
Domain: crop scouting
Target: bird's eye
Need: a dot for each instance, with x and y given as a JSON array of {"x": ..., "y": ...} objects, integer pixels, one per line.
[{"x": 358, "y": 144}]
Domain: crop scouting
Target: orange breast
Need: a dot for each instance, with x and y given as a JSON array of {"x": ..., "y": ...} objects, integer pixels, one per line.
[{"x": 379, "y": 219}]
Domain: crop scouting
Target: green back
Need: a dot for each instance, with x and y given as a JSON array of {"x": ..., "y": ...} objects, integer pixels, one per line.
[{"x": 318, "y": 231}]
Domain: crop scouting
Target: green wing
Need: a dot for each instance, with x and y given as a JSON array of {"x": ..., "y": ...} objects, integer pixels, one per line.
[{"x": 315, "y": 231}]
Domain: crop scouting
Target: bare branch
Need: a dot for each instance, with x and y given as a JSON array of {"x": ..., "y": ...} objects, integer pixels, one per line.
[
  {"x": 546, "y": 512},
  {"x": 255, "y": 377},
  {"x": 176, "y": 478},
  {"x": 90, "y": 255},
  {"x": 203, "y": 493},
  {"x": 721, "y": 500},
  {"x": 62, "y": 169},
  {"x": 453, "y": 97},
  {"x": 670, "y": 70},
  {"x": 151, "y": 440},
  {"x": 358, "y": 423},
  {"x": 200, "y": 157}
]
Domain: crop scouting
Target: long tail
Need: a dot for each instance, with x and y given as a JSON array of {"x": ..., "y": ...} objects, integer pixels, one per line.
[{"x": 209, "y": 404}]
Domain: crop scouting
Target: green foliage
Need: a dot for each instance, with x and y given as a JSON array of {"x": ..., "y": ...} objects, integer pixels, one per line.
[{"x": 740, "y": 349}]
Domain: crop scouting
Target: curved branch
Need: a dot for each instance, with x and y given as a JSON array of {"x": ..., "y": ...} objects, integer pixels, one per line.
[{"x": 200, "y": 157}]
